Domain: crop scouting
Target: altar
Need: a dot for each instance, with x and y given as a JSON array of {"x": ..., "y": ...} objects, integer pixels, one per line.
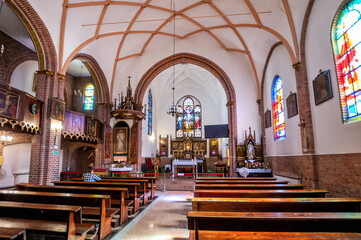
[{"x": 189, "y": 163}]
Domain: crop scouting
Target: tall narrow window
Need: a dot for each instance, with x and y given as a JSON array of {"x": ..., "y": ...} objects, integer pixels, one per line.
[
  {"x": 150, "y": 112},
  {"x": 188, "y": 117},
  {"x": 347, "y": 50},
  {"x": 88, "y": 97},
  {"x": 278, "y": 109}
]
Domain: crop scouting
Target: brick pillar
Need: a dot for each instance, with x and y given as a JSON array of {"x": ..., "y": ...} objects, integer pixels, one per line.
[{"x": 45, "y": 150}]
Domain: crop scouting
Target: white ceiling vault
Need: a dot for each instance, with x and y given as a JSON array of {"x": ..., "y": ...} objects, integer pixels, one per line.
[{"x": 117, "y": 32}]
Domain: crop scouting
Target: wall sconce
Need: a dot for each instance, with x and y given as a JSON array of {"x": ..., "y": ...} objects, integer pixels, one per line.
[
  {"x": 78, "y": 93},
  {"x": 56, "y": 126},
  {"x": 5, "y": 139}
]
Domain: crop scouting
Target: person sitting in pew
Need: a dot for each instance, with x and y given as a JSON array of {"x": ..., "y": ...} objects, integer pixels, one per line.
[{"x": 90, "y": 176}]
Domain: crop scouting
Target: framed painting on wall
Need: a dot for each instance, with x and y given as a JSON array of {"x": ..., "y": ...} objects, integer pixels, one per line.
[
  {"x": 120, "y": 140},
  {"x": 57, "y": 109},
  {"x": 267, "y": 119},
  {"x": 163, "y": 146},
  {"x": 292, "y": 109},
  {"x": 9, "y": 104},
  {"x": 107, "y": 143},
  {"x": 213, "y": 147},
  {"x": 322, "y": 87},
  {"x": 91, "y": 127}
]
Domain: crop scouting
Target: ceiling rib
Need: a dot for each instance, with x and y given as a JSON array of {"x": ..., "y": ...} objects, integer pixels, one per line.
[
  {"x": 292, "y": 27},
  {"x": 254, "y": 13},
  {"x": 202, "y": 28},
  {"x": 101, "y": 18},
  {"x": 122, "y": 42},
  {"x": 230, "y": 24},
  {"x": 62, "y": 34}
]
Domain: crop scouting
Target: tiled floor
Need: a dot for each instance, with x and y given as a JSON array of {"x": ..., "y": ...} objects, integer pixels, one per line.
[{"x": 164, "y": 219}]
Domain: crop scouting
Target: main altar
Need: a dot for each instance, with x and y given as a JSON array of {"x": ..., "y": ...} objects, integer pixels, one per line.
[{"x": 188, "y": 152}]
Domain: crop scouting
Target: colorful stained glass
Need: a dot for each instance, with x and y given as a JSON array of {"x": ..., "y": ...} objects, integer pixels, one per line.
[
  {"x": 88, "y": 97},
  {"x": 188, "y": 118},
  {"x": 150, "y": 112},
  {"x": 278, "y": 109},
  {"x": 347, "y": 50}
]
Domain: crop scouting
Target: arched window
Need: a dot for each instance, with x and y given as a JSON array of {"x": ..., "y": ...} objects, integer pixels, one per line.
[
  {"x": 278, "y": 109},
  {"x": 189, "y": 117},
  {"x": 149, "y": 112},
  {"x": 347, "y": 50},
  {"x": 88, "y": 97}
]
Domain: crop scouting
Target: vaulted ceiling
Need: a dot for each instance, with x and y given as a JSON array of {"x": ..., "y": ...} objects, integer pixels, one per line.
[{"x": 116, "y": 32}]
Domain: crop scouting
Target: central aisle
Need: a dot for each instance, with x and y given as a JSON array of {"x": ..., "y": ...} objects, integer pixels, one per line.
[{"x": 164, "y": 219}]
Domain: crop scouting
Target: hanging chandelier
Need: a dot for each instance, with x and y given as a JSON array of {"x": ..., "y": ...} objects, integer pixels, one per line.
[{"x": 172, "y": 109}]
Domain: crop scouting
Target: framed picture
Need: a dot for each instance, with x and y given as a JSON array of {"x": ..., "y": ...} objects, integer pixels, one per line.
[
  {"x": 213, "y": 147},
  {"x": 267, "y": 119},
  {"x": 120, "y": 140},
  {"x": 57, "y": 111},
  {"x": 292, "y": 109},
  {"x": 322, "y": 87},
  {"x": 163, "y": 146},
  {"x": 107, "y": 142},
  {"x": 91, "y": 127},
  {"x": 9, "y": 104}
]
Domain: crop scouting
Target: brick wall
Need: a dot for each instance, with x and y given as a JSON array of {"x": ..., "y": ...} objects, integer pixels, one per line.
[
  {"x": 340, "y": 174},
  {"x": 14, "y": 54}
]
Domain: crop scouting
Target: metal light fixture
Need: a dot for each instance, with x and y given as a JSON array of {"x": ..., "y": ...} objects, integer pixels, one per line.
[
  {"x": 172, "y": 109},
  {"x": 5, "y": 139}
]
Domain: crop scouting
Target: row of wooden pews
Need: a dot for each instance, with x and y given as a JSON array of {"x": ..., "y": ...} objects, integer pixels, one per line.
[
  {"x": 264, "y": 208},
  {"x": 71, "y": 209}
]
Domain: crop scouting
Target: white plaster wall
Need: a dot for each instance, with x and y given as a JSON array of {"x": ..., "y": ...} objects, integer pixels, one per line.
[
  {"x": 331, "y": 135},
  {"x": 15, "y": 161},
  {"x": 280, "y": 64},
  {"x": 23, "y": 76},
  {"x": 149, "y": 142}
]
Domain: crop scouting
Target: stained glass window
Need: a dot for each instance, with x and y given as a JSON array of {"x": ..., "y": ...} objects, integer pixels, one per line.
[
  {"x": 278, "y": 109},
  {"x": 150, "y": 112},
  {"x": 88, "y": 97},
  {"x": 347, "y": 50},
  {"x": 188, "y": 117}
]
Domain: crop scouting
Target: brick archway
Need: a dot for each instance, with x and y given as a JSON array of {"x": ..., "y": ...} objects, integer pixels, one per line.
[{"x": 213, "y": 68}]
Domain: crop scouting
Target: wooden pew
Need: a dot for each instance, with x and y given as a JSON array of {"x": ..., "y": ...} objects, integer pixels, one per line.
[
  {"x": 240, "y": 182},
  {"x": 12, "y": 233},
  {"x": 143, "y": 184},
  {"x": 48, "y": 212},
  {"x": 274, "y": 222},
  {"x": 41, "y": 227},
  {"x": 115, "y": 193},
  {"x": 276, "y": 204},
  {"x": 217, "y": 235},
  {"x": 151, "y": 180},
  {"x": 249, "y": 186},
  {"x": 310, "y": 193},
  {"x": 238, "y": 178},
  {"x": 87, "y": 201},
  {"x": 133, "y": 188}
]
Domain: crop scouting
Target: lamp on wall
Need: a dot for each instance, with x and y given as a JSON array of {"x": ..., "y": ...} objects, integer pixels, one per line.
[
  {"x": 5, "y": 139},
  {"x": 79, "y": 92},
  {"x": 172, "y": 109}
]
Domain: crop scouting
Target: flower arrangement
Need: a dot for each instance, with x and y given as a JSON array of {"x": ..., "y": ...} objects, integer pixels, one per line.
[
  {"x": 258, "y": 165},
  {"x": 124, "y": 164}
]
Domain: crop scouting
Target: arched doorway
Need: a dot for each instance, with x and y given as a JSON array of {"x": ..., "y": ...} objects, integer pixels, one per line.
[{"x": 213, "y": 68}]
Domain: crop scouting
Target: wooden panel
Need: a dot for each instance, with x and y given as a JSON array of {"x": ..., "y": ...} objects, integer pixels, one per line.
[
  {"x": 275, "y": 222},
  {"x": 277, "y": 204},
  {"x": 249, "y": 186},
  {"x": 319, "y": 193},
  {"x": 216, "y": 235}
]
